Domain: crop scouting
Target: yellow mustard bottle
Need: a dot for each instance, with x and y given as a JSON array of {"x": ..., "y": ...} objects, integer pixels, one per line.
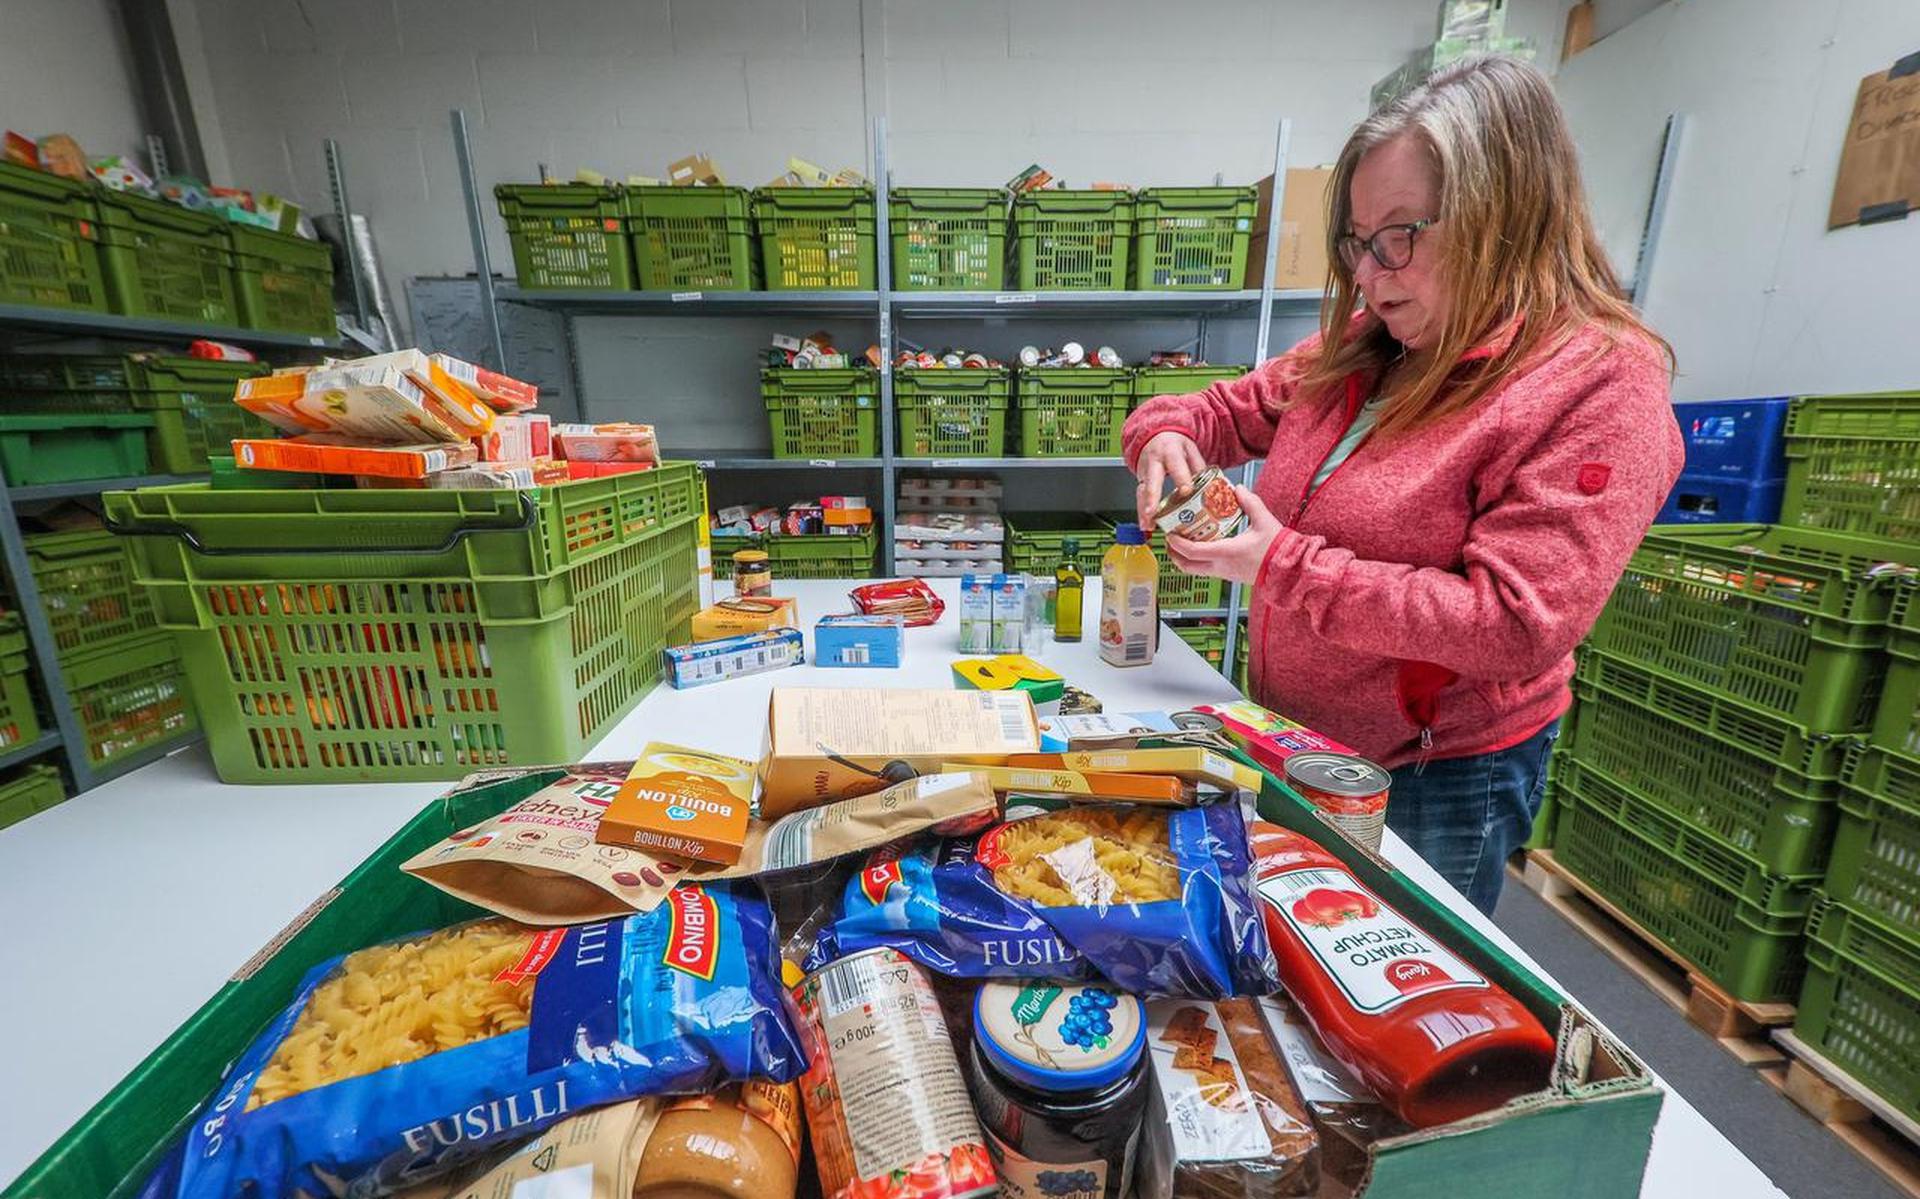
[{"x": 1129, "y": 599}]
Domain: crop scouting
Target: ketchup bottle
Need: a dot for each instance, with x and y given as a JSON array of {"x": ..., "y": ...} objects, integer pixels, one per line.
[{"x": 1431, "y": 1035}]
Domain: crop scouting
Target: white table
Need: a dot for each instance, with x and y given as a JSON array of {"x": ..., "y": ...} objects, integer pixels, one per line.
[{"x": 130, "y": 905}]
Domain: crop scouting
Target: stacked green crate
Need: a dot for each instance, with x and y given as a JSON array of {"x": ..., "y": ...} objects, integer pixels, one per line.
[
  {"x": 801, "y": 555},
  {"x": 1242, "y": 651},
  {"x": 1192, "y": 238},
  {"x": 1719, "y": 691},
  {"x": 19, "y": 722},
  {"x": 816, "y": 238},
  {"x": 49, "y": 241},
  {"x": 283, "y": 282},
  {"x": 183, "y": 405},
  {"x": 161, "y": 260},
  {"x": 948, "y": 238},
  {"x": 948, "y": 413},
  {"x": 567, "y": 236},
  {"x": 1853, "y": 464},
  {"x": 1072, "y": 411},
  {"x": 1208, "y": 638},
  {"x": 1151, "y": 381},
  {"x": 1072, "y": 240},
  {"x": 1037, "y": 541},
  {"x": 825, "y": 414},
  {"x": 29, "y": 790},
  {"x": 693, "y": 238}
]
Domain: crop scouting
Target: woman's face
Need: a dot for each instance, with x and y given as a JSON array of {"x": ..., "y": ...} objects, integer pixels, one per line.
[{"x": 1396, "y": 184}]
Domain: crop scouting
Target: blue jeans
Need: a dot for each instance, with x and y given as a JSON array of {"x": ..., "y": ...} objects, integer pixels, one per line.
[{"x": 1466, "y": 816}]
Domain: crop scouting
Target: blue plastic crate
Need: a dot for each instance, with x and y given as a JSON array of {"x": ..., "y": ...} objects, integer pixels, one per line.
[
  {"x": 1704, "y": 499},
  {"x": 1735, "y": 439}
]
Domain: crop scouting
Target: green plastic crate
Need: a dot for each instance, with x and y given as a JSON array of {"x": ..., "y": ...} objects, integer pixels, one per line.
[
  {"x": 948, "y": 238},
  {"x": 1192, "y": 238},
  {"x": 1710, "y": 904},
  {"x": 1241, "y": 651},
  {"x": 424, "y": 640},
  {"x": 190, "y": 399},
  {"x": 1896, "y": 720},
  {"x": 822, "y": 556},
  {"x": 31, "y": 790},
  {"x": 283, "y": 281},
  {"x": 1207, "y": 638},
  {"x": 1178, "y": 590},
  {"x": 87, "y": 590},
  {"x": 815, "y": 238},
  {"x": 1072, "y": 411},
  {"x": 822, "y": 413},
  {"x": 692, "y": 238},
  {"x": 1789, "y": 620},
  {"x": 129, "y": 697},
  {"x": 1151, "y": 381},
  {"x": 160, "y": 260},
  {"x": 1666, "y": 751},
  {"x": 61, "y": 449},
  {"x": 19, "y": 722},
  {"x": 952, "y": 413},
  {"x": 1860, "y": 1007},
  {"x": 1072, "y": 240},
  {"x": 49, "y": 242},
  {"x": 567, "y": 236},
  {"x": 1875, "y": 865},
  {"x": 1853, "y": 464},
  {"x": 1037, "y": 541}
]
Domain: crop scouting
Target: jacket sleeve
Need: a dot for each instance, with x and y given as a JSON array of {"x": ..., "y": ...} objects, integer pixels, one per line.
[
  {"x": 1231, "y": 421},
  {"x": 1540, "y": 558}
]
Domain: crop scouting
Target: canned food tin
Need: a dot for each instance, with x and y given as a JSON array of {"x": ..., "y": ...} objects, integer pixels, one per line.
[
  {"x": 885, "y": 1099},
  {"x": 975, "y": 361},
  {"x": 1107, "y": 356},
  {"x": 1073, "y": 353},
  {"x": 1197, "y": 722},
  {"x": 1029, "y": 355},
  {"x": 1205, "y": 510},
  {"x": 1350, "y": 791}
]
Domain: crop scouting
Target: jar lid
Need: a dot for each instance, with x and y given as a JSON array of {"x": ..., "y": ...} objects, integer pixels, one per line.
[
  {"x": 1059, "y": 1036},
  {"x": 749, "y": 555}
]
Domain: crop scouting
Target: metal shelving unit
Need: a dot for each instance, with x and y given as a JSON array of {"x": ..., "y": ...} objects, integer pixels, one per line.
[
  {"x": 66, "y": 736},
  {"x": 885, "y": 306}
]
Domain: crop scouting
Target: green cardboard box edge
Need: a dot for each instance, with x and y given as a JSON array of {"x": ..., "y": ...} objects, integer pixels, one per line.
[{"x": 1587, "y": 1137}]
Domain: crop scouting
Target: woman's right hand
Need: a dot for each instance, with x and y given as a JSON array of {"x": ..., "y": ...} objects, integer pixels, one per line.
[{"x": 1167, "y": 455}]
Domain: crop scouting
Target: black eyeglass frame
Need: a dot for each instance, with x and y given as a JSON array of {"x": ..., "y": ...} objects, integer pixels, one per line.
[{"x": 1350, "y": 245}]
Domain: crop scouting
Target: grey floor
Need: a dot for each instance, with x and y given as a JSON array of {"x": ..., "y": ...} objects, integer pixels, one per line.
[{"x": 1802, "y": 1158}]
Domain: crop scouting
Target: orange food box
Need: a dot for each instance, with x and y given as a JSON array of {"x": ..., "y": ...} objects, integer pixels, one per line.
[
  {"x": 745, "y": 614},
  {"x": 502, "y": 393},
  {"x": 446, "y": 396},
  {"x": 684, "y": 802},
  {"x": 379, "y": 404},
  {"x": 332, "y": 454},
  {"x": 847, "y": 516}
]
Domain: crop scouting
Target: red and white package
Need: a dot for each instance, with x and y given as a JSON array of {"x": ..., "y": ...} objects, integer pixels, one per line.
[
  {"x": 910, "y": 599},
  {"x": 517, "y": 437},
  {"x": 502, "y": 393}
]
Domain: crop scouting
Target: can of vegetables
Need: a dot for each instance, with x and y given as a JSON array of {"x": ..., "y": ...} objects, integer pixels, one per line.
[
  {"x": 1204, "y": 510},
  {"x": 1349, "y": 790}
]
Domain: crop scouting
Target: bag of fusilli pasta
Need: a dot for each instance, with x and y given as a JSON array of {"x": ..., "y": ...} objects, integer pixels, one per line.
[
  {"x": 1157, "y": 901},
  {"x": 400, "y": 1061}
]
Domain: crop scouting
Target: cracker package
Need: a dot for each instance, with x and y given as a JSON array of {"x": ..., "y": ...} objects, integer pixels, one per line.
[
  {"x": 409, "y": 1058},
  {"x": 1156, "y": 900},
  {"x": 537, "y": 862},
  {"x": 1224, "y": 1120},
  {"x": 1348, "y": 1117}
]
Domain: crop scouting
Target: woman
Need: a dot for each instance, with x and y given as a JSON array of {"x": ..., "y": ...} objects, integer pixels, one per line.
[{"x": 1455, "y": 469}]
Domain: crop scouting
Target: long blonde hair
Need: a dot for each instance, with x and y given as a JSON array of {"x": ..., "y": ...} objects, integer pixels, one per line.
[{"x": 1520, "y": 244}]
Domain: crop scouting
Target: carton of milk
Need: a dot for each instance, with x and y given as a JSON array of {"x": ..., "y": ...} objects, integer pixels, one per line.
[
  {"x": 976, "y": 613},
  {"x": 1009, "y": 614}
]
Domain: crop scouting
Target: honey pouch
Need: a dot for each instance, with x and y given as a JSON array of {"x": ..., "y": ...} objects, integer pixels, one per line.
[{"x": 1155, "y": 900}]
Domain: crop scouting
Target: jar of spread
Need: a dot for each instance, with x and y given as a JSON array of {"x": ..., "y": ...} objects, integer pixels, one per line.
[
  {"x": 1058, "y": 1073},
  {"x": 743, "y": 1142},
  {"x": 752, "y": 573}
]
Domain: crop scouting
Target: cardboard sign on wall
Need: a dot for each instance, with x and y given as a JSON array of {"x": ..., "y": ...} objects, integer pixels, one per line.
[{"x": 1879, "y": 178}]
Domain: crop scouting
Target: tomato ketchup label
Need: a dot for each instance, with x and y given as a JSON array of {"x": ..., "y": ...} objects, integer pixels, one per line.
[{"x": 1377, "y": 957}]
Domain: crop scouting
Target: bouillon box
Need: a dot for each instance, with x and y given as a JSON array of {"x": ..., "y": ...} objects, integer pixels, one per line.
[{"x": 1587, "y": 1134}]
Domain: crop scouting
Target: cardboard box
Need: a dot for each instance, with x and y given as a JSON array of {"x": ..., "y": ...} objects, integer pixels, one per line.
[
  {"x": 824, "y": 745},
  {"x": 1302, "y": 261},
  {"x": 706, "y": 662},
  {"x": 501, "y": 392},
  {"x": 1588, "y": 1133},
  {"x": 1268, "y": 737},
  {"x": 847, "y": 518},
  {"x": 447, "y": 396},
  {"x": 856, "y": 639},
  {"x": 732, "y": 617},
  {"x": 331, "y": 454},
  {"x": 517, "y": 437},
  {"x": 620, "y": 441},
  {"x": 1192, "y": 763},
  {"x": 378, "y": 404},
  {"x": 484, "y": 476},
  {"x": 686, "y": 802}
]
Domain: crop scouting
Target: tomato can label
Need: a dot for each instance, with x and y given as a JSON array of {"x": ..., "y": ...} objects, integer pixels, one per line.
[
  {"x": 1350, "y": 792},
  {"x": 1205, "y": 510},
  {"x": 889, "y": 1109}
]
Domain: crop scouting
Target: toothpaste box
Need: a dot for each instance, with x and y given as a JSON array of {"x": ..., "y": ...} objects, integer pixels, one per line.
[
  {"x": 855, "y": 639},
  {"x": 707, "y": 662}
]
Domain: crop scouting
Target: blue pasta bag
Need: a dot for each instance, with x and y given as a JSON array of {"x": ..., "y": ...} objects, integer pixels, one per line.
[
  {"x": 403, "y": 1060},
  {"x": 1155, "y": 900}
]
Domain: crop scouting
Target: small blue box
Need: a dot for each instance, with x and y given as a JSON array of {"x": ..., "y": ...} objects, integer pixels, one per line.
[
  {"x": 854, "y": 639},
  {"x": 1706, "y": 499},
  {"x": 1735, "y": 439}
]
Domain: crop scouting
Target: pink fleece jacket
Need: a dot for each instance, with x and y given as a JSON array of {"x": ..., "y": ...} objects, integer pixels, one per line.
[{"x": 1427, "y": 599}]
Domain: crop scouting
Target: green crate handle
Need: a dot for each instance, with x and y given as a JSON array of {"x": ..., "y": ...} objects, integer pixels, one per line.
[
  {"x": 1854, "y": 958},
  {"x": 923, "y": 203},
  {"x": 529, "y": 513},
  {"x": 778, "y": 201},
  {"x": 163, "y": 214},
  {"x": 1215, "y": 199}
]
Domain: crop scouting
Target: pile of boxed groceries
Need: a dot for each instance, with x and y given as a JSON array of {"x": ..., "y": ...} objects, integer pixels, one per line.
[
  {"x": 414, "y": 419},
  {"x": 930, "y": 943}
]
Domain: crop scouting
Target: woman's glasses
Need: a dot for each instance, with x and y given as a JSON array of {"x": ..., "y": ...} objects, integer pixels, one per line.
[{"x": 1390, "y": 245}]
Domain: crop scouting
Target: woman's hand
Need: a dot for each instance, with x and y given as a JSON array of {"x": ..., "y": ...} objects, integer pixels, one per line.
[
  {"x": 1166, "y": 456},
  {"x": 1236, "y": 559}
]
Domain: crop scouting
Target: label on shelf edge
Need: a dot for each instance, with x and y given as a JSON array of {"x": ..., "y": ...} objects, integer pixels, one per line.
[
  {"x": 704, "y": 463},
  {"x": 822, "y": 462},
  {"x": 681, "y": 296},
  {"x": 1016, "y": 297}
]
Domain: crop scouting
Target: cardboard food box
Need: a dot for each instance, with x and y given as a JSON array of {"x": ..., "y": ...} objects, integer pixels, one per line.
[
  {"x": 331, "y": 454},
  {"x": 377, "y": 404},
  {"x": 446, "y": 396},
  {"x": 824, "y": 744},
  {"x": 706, "y": 662},
  {"x": 1587, "y": 1133},
  {"x": 755, "y": 614},
  {"x": 685, "y": 802},
  {"x": 1302, "y": 260},
  {"x": 502, "y": 392}
]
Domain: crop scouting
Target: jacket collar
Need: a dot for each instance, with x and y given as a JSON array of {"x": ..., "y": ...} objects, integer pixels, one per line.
[{"x": 1496, "y": 343}]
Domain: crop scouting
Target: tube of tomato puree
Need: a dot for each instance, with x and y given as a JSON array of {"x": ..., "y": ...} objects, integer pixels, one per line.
[{"x": 1432, "y": 1036}]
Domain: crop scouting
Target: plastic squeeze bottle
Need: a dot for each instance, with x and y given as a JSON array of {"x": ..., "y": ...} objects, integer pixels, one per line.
[
  {"x": 1129, "y": 599},
  {"x": 1069, "y": 592}
]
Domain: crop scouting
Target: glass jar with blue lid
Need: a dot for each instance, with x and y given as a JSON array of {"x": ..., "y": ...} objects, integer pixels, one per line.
[{"x": 1058, "y": 1073}]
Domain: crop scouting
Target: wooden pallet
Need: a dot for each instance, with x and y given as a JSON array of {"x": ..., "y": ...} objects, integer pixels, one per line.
[
  {"x": 1740, "y": 1027},
  {"x": 1873, "y": 1128}
]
